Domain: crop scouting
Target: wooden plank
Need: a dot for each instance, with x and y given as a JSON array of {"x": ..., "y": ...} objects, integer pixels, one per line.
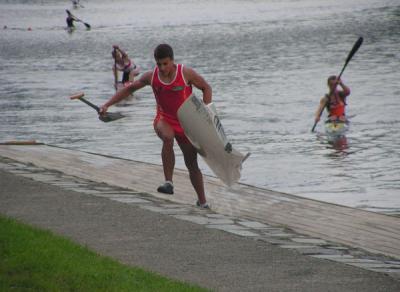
[{"x": 358, "y": 228}]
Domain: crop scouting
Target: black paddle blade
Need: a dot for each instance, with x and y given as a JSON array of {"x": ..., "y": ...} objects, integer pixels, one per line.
[
  {"x": 109, "y": 117},
  {"x": 355, "y": 48},
  {"x": 87, "y": 25}
]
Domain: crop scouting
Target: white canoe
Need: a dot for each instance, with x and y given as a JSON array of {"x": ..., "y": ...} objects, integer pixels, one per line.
[{"x": 204, "y": 129}]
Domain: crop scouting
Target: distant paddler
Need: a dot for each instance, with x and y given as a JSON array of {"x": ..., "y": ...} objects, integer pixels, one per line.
[
  {"x": 124, "y": 64},
  {"x": 70, "y": 21},
  {"x": 334, "y": 101},
  {"x": 76, "y": 4}
]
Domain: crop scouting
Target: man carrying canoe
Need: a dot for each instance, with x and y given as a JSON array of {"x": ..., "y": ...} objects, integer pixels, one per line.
[{"x": 172, "y": 85}]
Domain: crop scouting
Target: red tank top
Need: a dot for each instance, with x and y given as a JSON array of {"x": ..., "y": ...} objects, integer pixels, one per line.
[
  {"x": 336, "y": 105},
  {"x": 170, "y": 96}
]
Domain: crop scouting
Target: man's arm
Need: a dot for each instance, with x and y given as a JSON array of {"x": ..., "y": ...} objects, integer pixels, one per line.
[
  {"x": 144, "y": 80},
  {"x": 124, "y": 55},
  {"x": 346, "y": 90},
  {"x": 198, "y": 81},
  {"x": 321, "y": 107}
]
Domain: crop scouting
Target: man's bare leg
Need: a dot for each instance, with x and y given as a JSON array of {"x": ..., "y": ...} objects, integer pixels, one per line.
[
  {"x": 166, "y": 134},
  {"x": 196, "y": 177}
]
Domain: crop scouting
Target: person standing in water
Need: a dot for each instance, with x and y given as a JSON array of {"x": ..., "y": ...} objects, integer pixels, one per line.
[
  {"x": 334, "y": 101},
  {"x": 172, "y": 85},
  {"x": 123, "y": 63}
]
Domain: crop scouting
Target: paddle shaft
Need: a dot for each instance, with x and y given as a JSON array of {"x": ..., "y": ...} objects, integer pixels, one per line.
[
  {"x": 90, "y": 104},
  {"x": 105, "y": 117},
  {"x": 355, "y": 48},
  {"x": 80, "y": 97}
]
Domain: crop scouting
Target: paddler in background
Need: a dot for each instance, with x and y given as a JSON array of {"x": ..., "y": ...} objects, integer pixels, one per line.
[
  {"x": 70, "y": 20},
  {"x": 334, "y": 101},
  {"x": 76, "y": 4},
  {"x": 123, "y": 63},
  {"x": 172, "y": 85}
]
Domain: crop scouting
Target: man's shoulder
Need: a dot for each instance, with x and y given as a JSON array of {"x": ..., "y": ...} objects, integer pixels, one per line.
[
  {"x": 185, "y": 68},
  {"x": 188, "y": 71}
]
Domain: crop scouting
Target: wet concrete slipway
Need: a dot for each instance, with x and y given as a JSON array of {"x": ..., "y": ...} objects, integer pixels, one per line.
[{"x": 280, "y": 243}]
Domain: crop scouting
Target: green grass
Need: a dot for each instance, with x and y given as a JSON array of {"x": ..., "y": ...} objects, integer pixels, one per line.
[{"x": 35, "y": 260}]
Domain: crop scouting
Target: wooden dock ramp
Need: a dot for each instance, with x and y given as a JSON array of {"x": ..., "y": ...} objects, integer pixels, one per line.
[{"x": 370, "y": 231}]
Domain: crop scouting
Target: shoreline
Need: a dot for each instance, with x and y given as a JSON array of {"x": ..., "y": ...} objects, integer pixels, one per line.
[
  {"x": 178, "y": 240},
  {"x": 372, "y": 232}
]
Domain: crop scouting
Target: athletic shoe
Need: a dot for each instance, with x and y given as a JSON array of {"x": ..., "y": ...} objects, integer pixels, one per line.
[
  {"x": 166, "y": 188},
  {"x": 203, "y": 206}
]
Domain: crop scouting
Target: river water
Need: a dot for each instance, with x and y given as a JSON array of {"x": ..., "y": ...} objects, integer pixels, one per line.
[{"x": 266, "y": 60}]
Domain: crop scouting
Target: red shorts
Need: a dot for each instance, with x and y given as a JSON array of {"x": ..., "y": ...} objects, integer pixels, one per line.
[{"x": 176, "y": 127}]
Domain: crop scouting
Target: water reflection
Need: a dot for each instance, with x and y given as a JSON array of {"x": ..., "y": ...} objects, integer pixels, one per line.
[{"x": 340, "y": 144}]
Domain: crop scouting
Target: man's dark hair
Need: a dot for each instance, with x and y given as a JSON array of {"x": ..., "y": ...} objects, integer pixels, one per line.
[{"x": 163, "y": 51}]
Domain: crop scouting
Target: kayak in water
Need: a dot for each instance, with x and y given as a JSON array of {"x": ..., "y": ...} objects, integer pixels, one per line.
[{"x": 336, "y": 128}]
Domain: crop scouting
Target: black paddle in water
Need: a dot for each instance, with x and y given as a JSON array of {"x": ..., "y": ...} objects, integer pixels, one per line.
[
  {"x": 77, "y": 19},
  {"x": 355, "y": 48},
  {"x": 106, "y": 117}
]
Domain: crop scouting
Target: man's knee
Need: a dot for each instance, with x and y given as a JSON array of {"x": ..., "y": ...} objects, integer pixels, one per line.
[
  {"x": 164, "y": 132},
  {"x": 192, "y": 166}
]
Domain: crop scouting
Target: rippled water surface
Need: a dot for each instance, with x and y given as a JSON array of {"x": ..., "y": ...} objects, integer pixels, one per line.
[{"x": 267, "y": 62}]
